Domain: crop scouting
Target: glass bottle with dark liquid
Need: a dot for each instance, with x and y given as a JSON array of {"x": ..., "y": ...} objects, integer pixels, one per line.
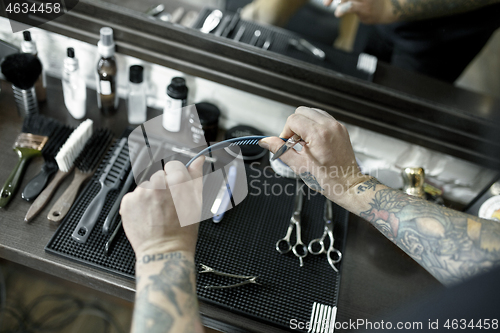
[{"x": 107, "y": 97}]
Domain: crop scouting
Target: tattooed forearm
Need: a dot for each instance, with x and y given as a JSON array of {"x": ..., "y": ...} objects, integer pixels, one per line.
[
  {"x": 424, "y": 9},
  {"x": 149, "y": 317},
  {"x": 370, "y": 184},
  {"x": 311, "y": 181},
  {"x": 451, "y": 245},
  {"x": 166, "y": 294}
]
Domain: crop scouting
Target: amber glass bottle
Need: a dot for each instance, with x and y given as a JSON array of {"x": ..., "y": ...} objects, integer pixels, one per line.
[{"x": 107, "y": 97}]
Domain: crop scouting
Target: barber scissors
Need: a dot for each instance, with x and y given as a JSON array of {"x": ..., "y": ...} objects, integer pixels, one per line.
[
  {"x": 287, "y": 145},
  {"x": 334, "y": 256},
  {"x": 283, "y": 245}
]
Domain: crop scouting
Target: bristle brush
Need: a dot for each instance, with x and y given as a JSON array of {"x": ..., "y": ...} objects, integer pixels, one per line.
[
  {"x": 38, "y": 183},
  {"x": 35, "y": 134},
  {"x": 65, "y": 159},
  {"x": 23, "y": 70},
  {"x": 86, "y": 163}
]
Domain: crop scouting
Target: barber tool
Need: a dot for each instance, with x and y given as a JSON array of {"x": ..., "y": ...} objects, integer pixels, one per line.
[
  {"x": 222, "y": 26},
  {"x": 287, "y": 145},
  {"x": 110, "y": 180},
  {"x": 304, "y": 46},
  {"x": 113, "y": 212},
  {"x": 255, "y": 37},
  {"x": 155, "y": 10},
  {"x": 248, "y": 278},
  {"x": 108, "y": 247},
  {"x": 212, "y": 21},
  {"x": 116, "y": 206},
  {"x": 232, "y": 25},
  {"x": 23, "y": 71},
  {"x": 65, "y": 161},
  {"x": 333, "y": 255},
  {"x": 269, "y": 40},
  {"x": 35, "y": 134},
  {"x": 241, "y": 141},
  {"x": 177, "y": 15},
  {"x": 239, "y": 34},
  {"x": 189, "y": 19},
  {"x": 283, "y": 245},
  {"x": 49, "y": 152},
  {"x": 224, "y": 196},
  {"x": 86, "y": 163}
]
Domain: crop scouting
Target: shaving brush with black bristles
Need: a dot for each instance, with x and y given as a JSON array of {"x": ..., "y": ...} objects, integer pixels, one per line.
[{"x": 23, "y": 70}]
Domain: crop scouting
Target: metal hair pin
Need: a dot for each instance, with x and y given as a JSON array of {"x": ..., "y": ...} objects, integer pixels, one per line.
[{"x": 248, "y": 278}]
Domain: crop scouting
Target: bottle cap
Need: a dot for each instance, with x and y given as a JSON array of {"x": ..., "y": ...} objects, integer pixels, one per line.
[
  {"x": 28, "y": 45},
  {"x": 136, "y": 74},
  {"x": 71, "y": 52},
  {"x": 27, "y": 36},
  {"x": 106, "y": 45},
  {"x": 107, "y": 36},
  {"x": 177, "y": 88}
]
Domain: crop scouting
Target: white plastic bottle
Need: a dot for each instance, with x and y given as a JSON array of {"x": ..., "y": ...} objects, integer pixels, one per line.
[
  {"x": 74, "y": 89},
  {"x": 136, "y": 102},
  {"x": 176, "y": 99}
]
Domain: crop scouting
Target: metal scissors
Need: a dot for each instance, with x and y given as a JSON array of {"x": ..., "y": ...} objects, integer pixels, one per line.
[
  {"x": 287, "y": 145},
  {"x": 283, "y": 245},
  {"x": 334, "y": 256}
]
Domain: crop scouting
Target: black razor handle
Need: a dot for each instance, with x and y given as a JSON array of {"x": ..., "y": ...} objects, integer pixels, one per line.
[{"x": 38, "y": 183}]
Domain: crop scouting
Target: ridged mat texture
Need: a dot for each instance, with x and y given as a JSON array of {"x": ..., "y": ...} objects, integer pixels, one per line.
[{"x": 243, "y": 243}]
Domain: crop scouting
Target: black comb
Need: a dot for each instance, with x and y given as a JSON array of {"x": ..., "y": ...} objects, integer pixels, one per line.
[
  {"x": 86, "y": 163},
  {"x": 49, "y": 152},
  {"x": 110, "y": 180}
]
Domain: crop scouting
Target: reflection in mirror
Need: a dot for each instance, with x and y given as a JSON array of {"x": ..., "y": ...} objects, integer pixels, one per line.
[{"x": 419, "y": 36}]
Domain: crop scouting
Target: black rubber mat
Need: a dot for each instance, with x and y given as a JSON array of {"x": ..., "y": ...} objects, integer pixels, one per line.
[{"x": 243, "y": 243}]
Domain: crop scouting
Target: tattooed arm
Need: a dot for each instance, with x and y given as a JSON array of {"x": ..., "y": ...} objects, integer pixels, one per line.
[
  {"x": 166, "y": 294},
  {"x": 165, "y": 272},
  {"x": 451, "y": 245},
  {"x": 389, "y": 11}
]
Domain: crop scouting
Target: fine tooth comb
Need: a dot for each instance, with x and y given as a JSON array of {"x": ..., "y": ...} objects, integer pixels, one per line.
[
  {"x": 49, "y": 151},
  {"x": 35, "y": 133},
  {"x": 65, "y": 159},
  {"x": 241, "y": 141},
  {"x": 86, "y": 163},
  {"x": 110, "y": 180}
]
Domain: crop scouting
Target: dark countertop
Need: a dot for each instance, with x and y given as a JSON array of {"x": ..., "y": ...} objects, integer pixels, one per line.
[{"x": 377, "y": 276}]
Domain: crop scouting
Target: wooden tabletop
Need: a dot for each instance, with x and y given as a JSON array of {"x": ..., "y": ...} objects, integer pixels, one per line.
[{"x": 377, "y": 276}]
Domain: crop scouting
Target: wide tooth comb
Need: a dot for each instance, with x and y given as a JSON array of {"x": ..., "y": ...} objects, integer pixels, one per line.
[{"x": 108, "y": 183}]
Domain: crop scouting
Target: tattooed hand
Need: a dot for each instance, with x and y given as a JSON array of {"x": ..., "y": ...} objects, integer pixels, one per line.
[
  {"x": 326, "y": 162},
  {"x": 152, "y": 212}
]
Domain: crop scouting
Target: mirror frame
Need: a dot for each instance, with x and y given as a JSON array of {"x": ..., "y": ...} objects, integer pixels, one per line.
[{"x": 398, "y": 103}]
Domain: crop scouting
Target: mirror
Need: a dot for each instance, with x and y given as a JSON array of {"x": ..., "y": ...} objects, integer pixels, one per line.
[{"x": 306, "y": 30}]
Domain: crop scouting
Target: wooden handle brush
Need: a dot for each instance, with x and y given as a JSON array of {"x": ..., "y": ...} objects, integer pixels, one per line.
[
  {"x": 35, "y": 134},
  {"x": 86, "y": 163},
  {"x": 65, "y": 159},
  {"x": 38, "y": 183}
]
